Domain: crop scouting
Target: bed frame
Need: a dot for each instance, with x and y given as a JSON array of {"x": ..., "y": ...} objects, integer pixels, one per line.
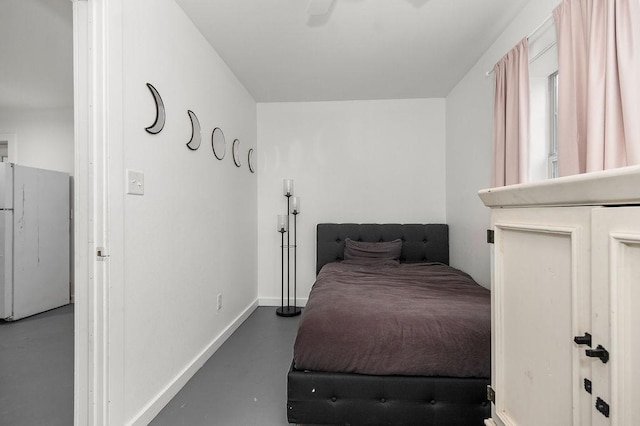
[{"x": 357, "y": 399}]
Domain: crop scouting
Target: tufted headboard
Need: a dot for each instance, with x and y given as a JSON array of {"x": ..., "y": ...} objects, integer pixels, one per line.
[{"x": 420, "y": 243}]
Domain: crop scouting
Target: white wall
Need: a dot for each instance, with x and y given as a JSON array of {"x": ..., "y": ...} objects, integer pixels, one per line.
[
  {"x": 351, "y": 161},
  {"x": 469, "y": 147},
  {"x": 193, "y": 233},
  {"x": 44, "y": 137}
]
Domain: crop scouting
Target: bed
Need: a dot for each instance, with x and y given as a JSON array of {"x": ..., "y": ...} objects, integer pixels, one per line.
[{"x": 330, "y": 383}]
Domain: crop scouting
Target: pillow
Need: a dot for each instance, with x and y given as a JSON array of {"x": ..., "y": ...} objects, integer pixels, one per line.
[{"x": 361, "y": 249}]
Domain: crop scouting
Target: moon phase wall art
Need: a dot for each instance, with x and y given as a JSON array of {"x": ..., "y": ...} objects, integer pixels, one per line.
[
  {"x": 157, "y": 125},
  {"x": 196, "y": 135},
  {"x": 250, "y": 161},
  {"x": 218, "y": 142},
  {"x": 236, "y": 154}
]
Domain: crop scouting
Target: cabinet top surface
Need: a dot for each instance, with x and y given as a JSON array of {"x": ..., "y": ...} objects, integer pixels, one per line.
[{"x": 610, "y": 187}]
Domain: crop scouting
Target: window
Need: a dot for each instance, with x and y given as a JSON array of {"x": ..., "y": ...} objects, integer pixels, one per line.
[{"x": 543, "y": 108}]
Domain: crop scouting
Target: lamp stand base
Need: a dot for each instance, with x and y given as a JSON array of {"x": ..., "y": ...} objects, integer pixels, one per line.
[{"x": 288, "y": 311}]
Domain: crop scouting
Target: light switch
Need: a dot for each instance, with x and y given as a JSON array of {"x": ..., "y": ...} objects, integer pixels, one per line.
[{"x": 135, "y": 182}]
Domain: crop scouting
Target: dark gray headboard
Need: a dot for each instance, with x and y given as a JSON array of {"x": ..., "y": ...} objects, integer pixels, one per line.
[{"x": 420, "y": 243}]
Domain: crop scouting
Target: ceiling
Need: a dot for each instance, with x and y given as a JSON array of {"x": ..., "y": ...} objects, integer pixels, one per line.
[
  {"x": 36, "y": 54},
  {"x": 361, "y": 49}
]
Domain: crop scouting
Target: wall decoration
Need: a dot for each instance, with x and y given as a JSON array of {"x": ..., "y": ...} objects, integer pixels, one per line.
[
  {"x": 235, "y": 152},
  {"x": 250, "y": 161},
  {"x": 196, "y": 135},
  {"x": 218, "y": 143},
  {"x": 157, "y": 125}
]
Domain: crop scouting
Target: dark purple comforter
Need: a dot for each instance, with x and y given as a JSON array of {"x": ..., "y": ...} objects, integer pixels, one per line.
[{"x": 389, "y": 319}]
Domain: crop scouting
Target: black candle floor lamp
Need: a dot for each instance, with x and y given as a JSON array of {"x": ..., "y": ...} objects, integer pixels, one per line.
[{"x": 283, "y": 227}]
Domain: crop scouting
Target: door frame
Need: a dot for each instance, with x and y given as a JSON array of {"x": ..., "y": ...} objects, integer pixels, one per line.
[{"x": 98, "y": 225}]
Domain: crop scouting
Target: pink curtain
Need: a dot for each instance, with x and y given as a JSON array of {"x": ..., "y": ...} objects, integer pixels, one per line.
[
  {"x": 511, "y": 117},
  {"x": 599, "y": 84}
]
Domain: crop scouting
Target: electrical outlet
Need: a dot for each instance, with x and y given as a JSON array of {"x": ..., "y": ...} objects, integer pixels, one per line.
[{"x": 219, "y": 301}]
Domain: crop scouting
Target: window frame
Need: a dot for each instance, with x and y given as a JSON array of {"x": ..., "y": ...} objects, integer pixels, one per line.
[{"x": 552, "y": 160}]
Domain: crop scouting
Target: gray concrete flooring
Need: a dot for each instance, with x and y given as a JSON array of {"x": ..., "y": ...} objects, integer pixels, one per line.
[
  {"x": 242, "y": 384},
  {"x": 36, "y": 369}
]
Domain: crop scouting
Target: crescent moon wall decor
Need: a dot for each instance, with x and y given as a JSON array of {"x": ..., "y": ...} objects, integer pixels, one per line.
[
  {"x": 236, "y": 154},
  {"x": 157, "y": 125},
  {"x": 250, "y": 161},
  {"x": 196, "y": 135},
  {"x": 218, "y": 143}
]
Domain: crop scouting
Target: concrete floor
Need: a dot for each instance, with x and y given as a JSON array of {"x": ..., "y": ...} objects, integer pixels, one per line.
[
  {"x": 36, "y": 369},
  {"x": 242, "y": 384}
]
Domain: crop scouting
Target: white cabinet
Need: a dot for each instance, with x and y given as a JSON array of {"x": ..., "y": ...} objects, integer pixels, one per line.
[
  {"x": 540, "y": 301},
  {"x": 615, "y": 245},
  {"x": 566, "y": 263}
]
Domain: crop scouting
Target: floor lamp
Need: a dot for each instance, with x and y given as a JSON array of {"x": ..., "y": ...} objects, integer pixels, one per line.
[{"x": 283, "y": 227}]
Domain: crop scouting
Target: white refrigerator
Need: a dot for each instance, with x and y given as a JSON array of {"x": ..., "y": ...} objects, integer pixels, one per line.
[{"x": 34, "y": 240}]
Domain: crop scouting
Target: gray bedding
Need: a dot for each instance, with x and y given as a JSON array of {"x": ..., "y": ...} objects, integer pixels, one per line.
[{"x": 385, "y": 318}]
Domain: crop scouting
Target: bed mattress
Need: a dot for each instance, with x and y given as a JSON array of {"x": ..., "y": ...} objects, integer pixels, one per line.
[{"x": 385, "y": 318}]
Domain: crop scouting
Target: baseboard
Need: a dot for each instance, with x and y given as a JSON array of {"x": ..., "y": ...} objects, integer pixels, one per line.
[
  {"x": 275, "y": 301},
  {"x": 489, "y": 422},
  {"x": 151, "y": 410}
]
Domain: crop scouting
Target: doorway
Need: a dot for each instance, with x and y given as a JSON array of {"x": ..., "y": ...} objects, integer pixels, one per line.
[
  {"x": 37, "y": 120},
  {"x": 8, "y": 148}
]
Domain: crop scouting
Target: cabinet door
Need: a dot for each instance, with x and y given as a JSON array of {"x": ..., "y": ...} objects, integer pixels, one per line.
[
  {"x": 616, "y": 317},
  {"x": 540, "y": 301}
]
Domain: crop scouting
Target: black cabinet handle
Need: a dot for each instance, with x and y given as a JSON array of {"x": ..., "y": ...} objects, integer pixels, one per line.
[
  {"x": 583, "y": 340},
  {"x": 598, "y": 352},
  {"x": 602, "y": 407}
]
